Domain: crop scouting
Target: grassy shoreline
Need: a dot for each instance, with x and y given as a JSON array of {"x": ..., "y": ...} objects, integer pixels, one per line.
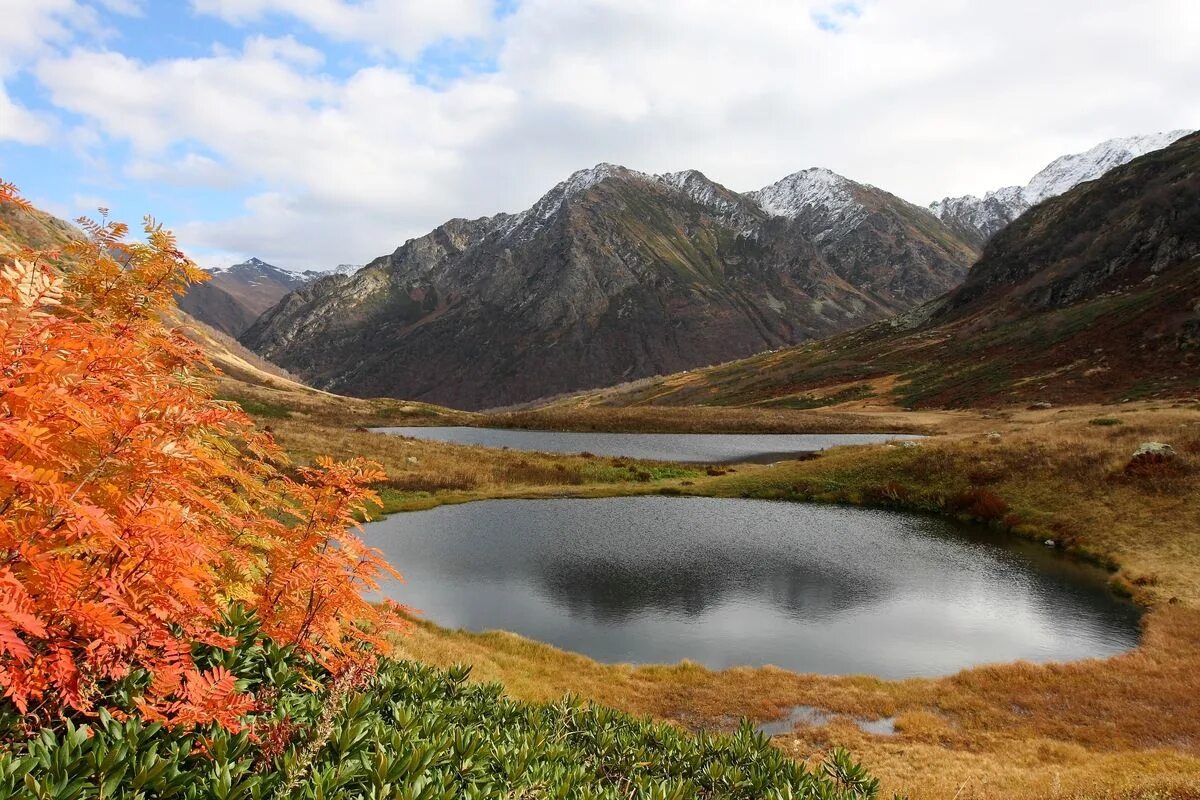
[{"x": 1127, "y": 726}]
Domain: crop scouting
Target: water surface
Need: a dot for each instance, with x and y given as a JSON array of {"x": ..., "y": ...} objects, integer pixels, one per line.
[
  {"x": 711, "y": 448},
  {"x": 729, "y": 582}
]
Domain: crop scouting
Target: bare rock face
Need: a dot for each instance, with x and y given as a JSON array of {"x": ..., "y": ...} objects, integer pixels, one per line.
[{"x": 613, "y": 275}]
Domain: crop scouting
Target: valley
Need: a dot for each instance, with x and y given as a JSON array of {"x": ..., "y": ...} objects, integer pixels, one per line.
[
  {"x": 1005, "y": 730},
  {"x": 955, "y": 529},
  {"x": 599, "y": 400}
]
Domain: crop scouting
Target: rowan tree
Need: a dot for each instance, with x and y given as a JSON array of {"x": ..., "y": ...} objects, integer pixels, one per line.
[{"x": 135, "y": 508}]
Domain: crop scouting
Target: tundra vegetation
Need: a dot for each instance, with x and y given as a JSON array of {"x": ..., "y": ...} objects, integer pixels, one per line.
[
  {"x": 182, "y": 607},
  {"x": 1119, "y": 727}
]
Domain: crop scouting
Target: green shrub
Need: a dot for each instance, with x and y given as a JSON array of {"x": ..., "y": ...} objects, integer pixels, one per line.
[
  {"x": 257, "y": 408},
  {"x": 406, "y": 731},
  {"x": 1104, "y": 421}
]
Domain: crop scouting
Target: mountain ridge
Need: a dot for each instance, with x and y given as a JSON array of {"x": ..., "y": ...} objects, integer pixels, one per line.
[
  {"x": 613, "y": 273},
  {"x": 1091, "y": 296},
  {"x": 979, "y": 218}
]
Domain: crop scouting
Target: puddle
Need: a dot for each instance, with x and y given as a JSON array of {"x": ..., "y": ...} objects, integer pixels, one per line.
[{"x": 811, "y": 716}]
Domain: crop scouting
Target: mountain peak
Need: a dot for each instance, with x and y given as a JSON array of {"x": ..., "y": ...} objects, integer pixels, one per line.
[
  {"x": 1066, "y": 172},
  {"x": 583, "y": 179},
  {"x": 816, "y": 187},
  {"x": 982, "y": 217}
]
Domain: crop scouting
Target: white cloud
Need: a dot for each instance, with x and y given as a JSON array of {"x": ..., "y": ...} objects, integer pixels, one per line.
[
  {"x": 284, "y": 48},
  {"x": 399, "y": 26},
  {"x": 19, "y": 124},
  {"x": 29, "y": 29},
  {"x": 922, "y": 97}
]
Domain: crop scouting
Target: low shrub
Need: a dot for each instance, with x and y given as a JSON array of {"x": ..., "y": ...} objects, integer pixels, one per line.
[
  {"x": 403, "y": 731},
  {"x": 981, "y": 504}
]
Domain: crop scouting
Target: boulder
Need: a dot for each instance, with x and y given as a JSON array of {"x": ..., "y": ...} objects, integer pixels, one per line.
[{"x": 1157, "y": 450}]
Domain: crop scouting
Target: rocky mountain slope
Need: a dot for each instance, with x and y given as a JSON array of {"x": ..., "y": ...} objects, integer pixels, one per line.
[
  {"x": 612, "y": 275},
  {"x": 979, "y": 218},
  {"x": 237, "y": 295},
  {"x": 1093, "y": 295},
  {"x": 33, "y": 229}
]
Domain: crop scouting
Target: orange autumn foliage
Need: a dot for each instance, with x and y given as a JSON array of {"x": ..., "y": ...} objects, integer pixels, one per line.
[{"x": 135, "y": 509}]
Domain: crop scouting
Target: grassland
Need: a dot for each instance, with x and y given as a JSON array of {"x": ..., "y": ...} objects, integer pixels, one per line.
[
  {"x": 1127, "y": 726},
  {"x": 658, "y": 419}
]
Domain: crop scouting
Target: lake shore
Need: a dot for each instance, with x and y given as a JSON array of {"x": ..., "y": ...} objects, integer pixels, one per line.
[{"x": 1127, "y": 726}]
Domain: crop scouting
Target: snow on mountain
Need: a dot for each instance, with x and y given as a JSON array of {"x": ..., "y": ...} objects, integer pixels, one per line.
[
  {"x": 692, "y": 183},
  {"x": 254, "y": 270},
  {"x": 1066, "y": 172},
  {"x": 816, "y": 188},
  {"x": 983, "y": 216}
]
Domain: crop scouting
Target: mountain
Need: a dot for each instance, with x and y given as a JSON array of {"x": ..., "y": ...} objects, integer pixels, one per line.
[
  {"x": 34, "y": 229},
  {"x": 235, "y": 296},
  {"x": 870, "y": 238},
  {"x": 612, "y": 275},
  {"x": 979, "y": 218},
  {"x": 1093, "y": 295}
]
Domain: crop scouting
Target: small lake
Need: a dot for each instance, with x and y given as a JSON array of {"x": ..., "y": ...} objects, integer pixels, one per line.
[
  {"x": 710, "y": 448},
  {"x": 727, "y": 582}
]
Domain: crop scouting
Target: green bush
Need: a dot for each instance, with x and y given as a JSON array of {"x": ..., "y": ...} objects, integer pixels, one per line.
[
  {"x": 257, "y": 408},
  {"x": 1104, "y": 421},
  {"x": 407, "y": 731}
]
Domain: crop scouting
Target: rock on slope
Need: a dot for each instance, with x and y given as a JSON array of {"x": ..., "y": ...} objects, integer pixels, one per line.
[
  {"x": 612, "y": 275},
  {"x": 979, "y": 218},
  {"x": 1093, "y": 295}
]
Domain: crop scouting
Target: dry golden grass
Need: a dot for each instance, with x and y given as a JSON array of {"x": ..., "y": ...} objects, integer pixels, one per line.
[
  {"x": 1128, "y": 726},
  {"x": 716, "y": 420}
]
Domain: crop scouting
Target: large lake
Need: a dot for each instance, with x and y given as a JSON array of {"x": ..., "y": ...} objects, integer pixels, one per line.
[
  {"x": 696, "y": 447},
  {"x": 742, "y": 582}
]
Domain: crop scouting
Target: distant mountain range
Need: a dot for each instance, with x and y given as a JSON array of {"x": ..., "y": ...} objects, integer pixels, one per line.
[
  {"x": 612, "y": 275},
  {"x": 1093, "y": 295},
  {"x": 236, "y": 296},
  {"x": 979, "y": 218}
]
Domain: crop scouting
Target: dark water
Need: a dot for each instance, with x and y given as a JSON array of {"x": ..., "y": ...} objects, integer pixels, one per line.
[
  {"x": 744, "y": 582},
  {"x": 696, "y": 447}
]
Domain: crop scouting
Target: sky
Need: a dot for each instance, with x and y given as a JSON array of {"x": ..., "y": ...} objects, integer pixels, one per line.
[{"x": 312, "y": 133}]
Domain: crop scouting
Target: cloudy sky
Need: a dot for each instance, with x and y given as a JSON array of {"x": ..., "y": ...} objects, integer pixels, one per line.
[{"x": 318, "y": 132}]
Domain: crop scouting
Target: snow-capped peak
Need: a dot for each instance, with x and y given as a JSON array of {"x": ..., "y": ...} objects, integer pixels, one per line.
[
  {"x": 1067, "y": 172},
  {"x": 999, "y": 207},
  {"x": 818, "y": 188},
  {"x": 578, "y": 183}
]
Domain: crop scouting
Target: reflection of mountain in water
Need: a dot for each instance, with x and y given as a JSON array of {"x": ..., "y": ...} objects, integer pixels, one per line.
[
  {"x": 688, "y": 585},
  {"x": 737, "y": 582}
]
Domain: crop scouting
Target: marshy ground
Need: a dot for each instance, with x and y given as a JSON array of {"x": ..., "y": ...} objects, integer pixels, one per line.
[{"x": 1127, "y": 726}]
